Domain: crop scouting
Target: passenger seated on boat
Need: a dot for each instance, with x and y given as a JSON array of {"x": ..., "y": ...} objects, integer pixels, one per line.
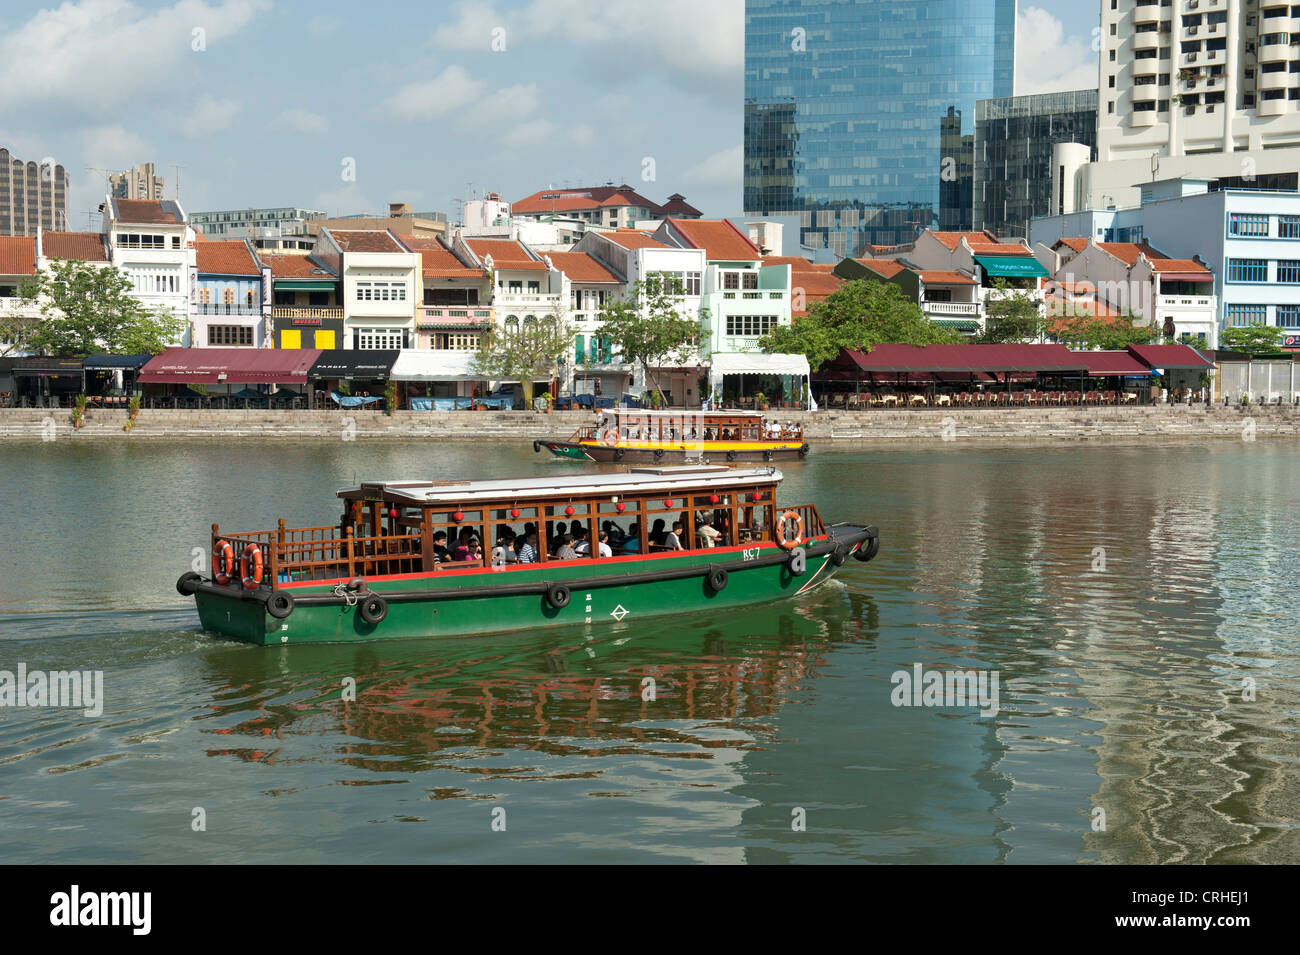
[
  {"x": 657, "y": 532},
  {"x": 673, "y": 539},
  {"x": 605, "y": 549},
  {"x": 614, "y": 533},
  {"x": 581, "y": 546},
  {"x": 528, "y": 553},
  {"x": 705, "y": 531},
  {"x": 565, "y": 551},
  {"x": 440, "y": 552},
  {"x": 631, "y": 543},
  {"x": 465, "y": 548}
]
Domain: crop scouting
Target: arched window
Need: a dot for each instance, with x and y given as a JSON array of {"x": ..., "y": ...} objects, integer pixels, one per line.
[
  {"x": 512, "y": 323},
  {"x": 530, "y": 320}
]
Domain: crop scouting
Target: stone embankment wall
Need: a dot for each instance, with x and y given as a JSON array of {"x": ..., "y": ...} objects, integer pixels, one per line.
[{"x": 835, "y": 427}]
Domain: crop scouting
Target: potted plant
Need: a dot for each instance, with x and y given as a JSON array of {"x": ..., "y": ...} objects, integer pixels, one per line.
[
  {"x": 133, "y": 408},
  {"x": 79, "y": 411},
  {"x": 760, "y": 401},
  {"x": 390, "y": 397}
]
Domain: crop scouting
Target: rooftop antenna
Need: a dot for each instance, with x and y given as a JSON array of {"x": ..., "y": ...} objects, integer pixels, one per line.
[{"x": 177, "y": 167}]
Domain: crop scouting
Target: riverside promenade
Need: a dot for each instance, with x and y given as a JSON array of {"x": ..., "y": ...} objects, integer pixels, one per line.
[{"x": 834, "y": 427}]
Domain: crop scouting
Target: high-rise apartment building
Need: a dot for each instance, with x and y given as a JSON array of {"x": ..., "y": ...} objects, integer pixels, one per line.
[
  {"x": 32, "y": 195},
  {"x": 849, "y": 108},
  {"x": 1014, "y": 136},
  {"x": 1194, "y": 88},
  {"x": 136, "y": 183}
]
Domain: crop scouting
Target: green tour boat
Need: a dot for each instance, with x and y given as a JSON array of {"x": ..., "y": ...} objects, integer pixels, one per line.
[{"x": 432, "y": 558}]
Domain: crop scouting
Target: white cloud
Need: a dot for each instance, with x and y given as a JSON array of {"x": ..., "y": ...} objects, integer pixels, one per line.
[
  {"x": 1048, "y": 61},
  {"x": 472, "y": 29},
  {"x": 98, "y": 54},
  {"x": 304, "y": 122},
  {"x": 723, "y": 168},
  {"x": 535, "y": 132},
  {"x": 508, "y": 105},
  {"x": 113, "y": 148},
  {"x": 625, "y": 38},
  {"x": 445, "y": 93},
  {"x": 209, "y": 117}
]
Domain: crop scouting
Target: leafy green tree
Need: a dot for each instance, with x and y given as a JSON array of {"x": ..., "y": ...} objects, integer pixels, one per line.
[
  {"x": 1088, "y": 331},
  {"x": 526, "y": 352},
  {"x": 15, "y": 329},
  {"x": 859, "y": 314},
  {"x": 87, "y": 309},
  {"x": 1011, "y": 318},
  {"x": 1253, "y": 339},
  {"x": 646, "y": 328}
]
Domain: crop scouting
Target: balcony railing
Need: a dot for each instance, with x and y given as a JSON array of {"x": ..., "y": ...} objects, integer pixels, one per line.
[
  {"x": 460, "y": 315},
  {"x": 506, "y": 299},
  {"x": 294, "y": 311},
  {"x": 950, "y": 308},
  {"x": 222, "y": 308}
]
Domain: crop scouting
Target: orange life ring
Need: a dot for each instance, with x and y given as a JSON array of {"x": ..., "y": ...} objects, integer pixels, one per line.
[
  {"x": 223, "y": 563},
  {"x": 789, "y": 543},
  {"x": 250, "y": 567},
  {"x": 610, "y": 437}
]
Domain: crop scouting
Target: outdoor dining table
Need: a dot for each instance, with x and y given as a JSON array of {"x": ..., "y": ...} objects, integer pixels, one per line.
[
  {"x": 889, "y": 399},
  {"x": 942, "y": 400},
  {"x": 916, "y": 400}
]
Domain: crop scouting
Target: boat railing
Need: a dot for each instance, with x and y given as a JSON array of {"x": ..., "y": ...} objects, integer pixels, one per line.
[
  {"x": 320, "y": 553},
  {"x": 812, "y": 522}
]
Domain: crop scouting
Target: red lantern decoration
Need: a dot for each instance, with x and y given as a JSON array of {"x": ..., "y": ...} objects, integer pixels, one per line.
[
  {"x": 458, "y": 516},
  {"x": 515, "y": 512},
  {"x": 668, "y": 502},
  {"x": 394, "y": 513},
  {"x": 714, "y": 499},
  {"x": 620, "y": 507},
  {"x": 568, "y": 511},
  {"x": 756, "y": 496}
]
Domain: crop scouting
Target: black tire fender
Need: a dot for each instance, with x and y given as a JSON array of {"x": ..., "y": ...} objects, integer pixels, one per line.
[
  {"x": 767, "y": 455},
  {"x": 731, "y": 455},
  {"x": 803, "y": 452},
  {"x": 558, "y": 596},
  {"x": 618, "y": 454},
  {"x": 373, "y": 609},
  {"x": 280, "y": 604},
  {"x": 716, "y": 579},
  {"x": 869, "y": 549},
  {"x": 838, "y": 556},
  {"x": 798, "y": 561},
  {"x": 659, "y": 455},
  {"x": 187, "y": 583}
]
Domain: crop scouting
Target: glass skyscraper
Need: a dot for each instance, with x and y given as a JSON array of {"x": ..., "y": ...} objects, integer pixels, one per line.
[{"x": 858, "y": 112}]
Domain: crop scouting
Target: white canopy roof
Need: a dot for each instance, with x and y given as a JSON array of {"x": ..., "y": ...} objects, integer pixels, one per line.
[
  {"x": 434, "y": 364},
  {"x": 756, "y": 363}
]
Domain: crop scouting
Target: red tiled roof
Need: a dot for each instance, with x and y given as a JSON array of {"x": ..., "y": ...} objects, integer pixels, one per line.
[
  {"x": 998, "y": 248},
  {"x": 84, "y": 246},
  {"x": 581, "y": 267},
  {"x": 951, "y": 239},
  {"x": 230, "y": 257},
  {"x": 1178, "y": 265},
  {"x": 634, "y": 239},
  {"x": 506, "y": 254},
  {"x": 1128, "y": 252},
  {"x": 17, "y": 255},
  {"x": 719, "y": 238},
  {"x": 566, "y": 200},
  {"x": 945, "y": 277},
  {"x": 1082, "y": 304},
  {"x": 285, "y": 265},
  {"x": 365, "y": 241},
  {"x": 884, "y": 267},
  {"x": 678, "y": 206},
  {"x": 150, "y": 211},
  {"x": 438, "y": 261},
  {"x": 1077, "y": 243}
]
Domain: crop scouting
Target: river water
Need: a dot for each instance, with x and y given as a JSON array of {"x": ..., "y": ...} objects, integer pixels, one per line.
[{"x": 1136, "y": 603}]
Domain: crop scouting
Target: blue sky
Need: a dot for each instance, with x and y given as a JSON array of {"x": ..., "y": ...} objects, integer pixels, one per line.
[{"x": 264, "y": 102}]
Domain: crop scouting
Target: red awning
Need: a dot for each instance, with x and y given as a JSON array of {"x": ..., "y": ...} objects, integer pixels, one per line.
[
  {"x": 237, "y": 366},
  {"x": 1104, "y": 363},
  {"x": 962, "y": 358},
  {"x": 1169, "y": 357}
]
